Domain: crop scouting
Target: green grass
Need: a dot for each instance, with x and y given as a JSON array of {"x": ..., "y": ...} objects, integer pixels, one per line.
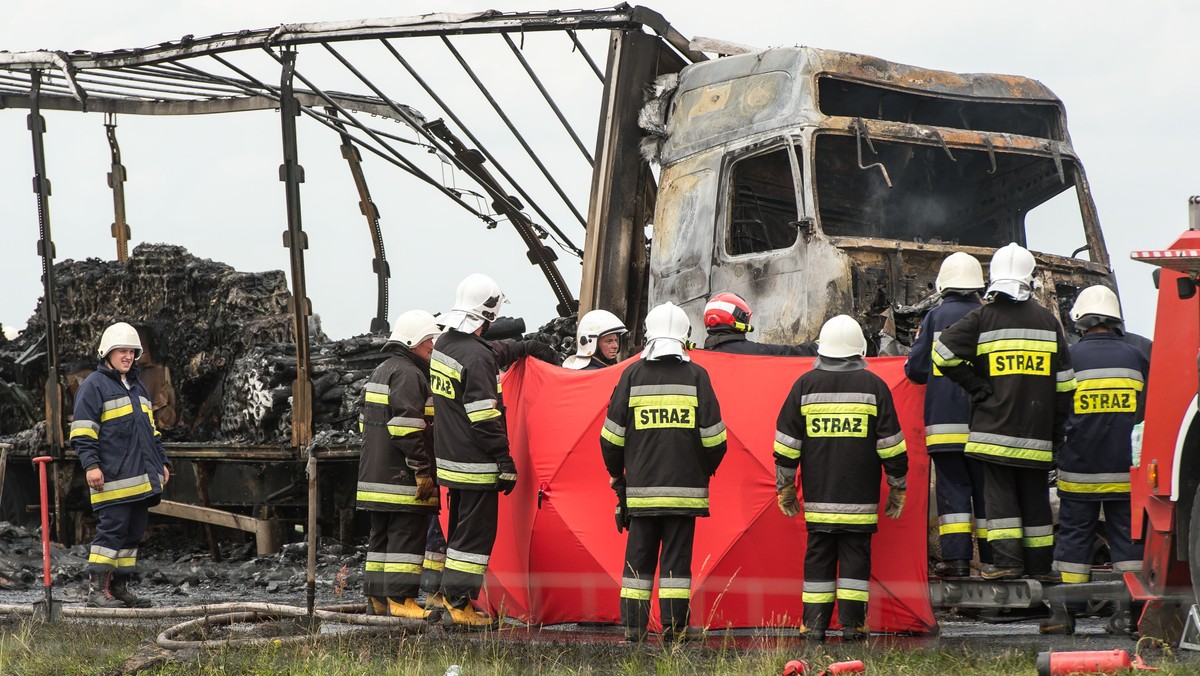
[{"x": 33, "y": 648}]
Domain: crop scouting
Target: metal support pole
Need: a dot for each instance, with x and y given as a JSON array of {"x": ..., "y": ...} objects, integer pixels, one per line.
[
  {"x": 296, "y": 241},
  {"x": 116, "y": 181},
  {"x": 45, "y": 248},
  {"x": 311, "y": 574},
  {"x": 366, "y": 205}
]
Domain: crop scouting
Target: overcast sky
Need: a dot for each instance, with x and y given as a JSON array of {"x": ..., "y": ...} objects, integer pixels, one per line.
[{"x": 1125, "y": 72}]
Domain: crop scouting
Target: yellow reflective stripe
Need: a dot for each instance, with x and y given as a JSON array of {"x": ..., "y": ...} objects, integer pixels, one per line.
[
  {"x": 445, "y": 369},
  {"x": 1003, "y": 534},
  {"x": 940, "y": 362},
  {"x": 1008, "y": 452},
  {"x": 399, "y": 431},
  {"x": 853, "y": 595},
  {"x": 376, "y": 398},
  {"x": 1017, "y": 344},
  {"x": 120, "y": 412},
  {"x": 105, "y": 496},
  {"x": 663, "y": 400},
  {"x": 838, "y": 408},
  {"x": 832, "y": 517},
  {"x": 466, "y": 567},
  {"x": 951, "y": 528},
  {"x": 485, "y": 414},
  {"x": 1072, "y": 487},
  {"x": 936, "y": 439},
  {"x": 817, "y": 597},
  {"x": 433, "y": 565},
  {"x": 892, "y": 451},
  {"x": 1110, "y": 384},
  {"x": 1076, "y": 578},
  {"x": 714, "y": 440},
  {"x": 981, "y": 533},
  {"x": 121, "y": 562},
  {"x": 428, "y": 411},
  {"x": 612, "y": 437},
  {"x": 787, "y": 451},
  {"x": 1038, "y": 541},
  {"x": 83, "y": 432},
  {"x": 467, "y": 477},
  {"x": 637, "y": 594},
  {"x": 673, "y": 593},
  {"x": 685, "y": 503},
  {"x": 1065, "y": 386},
  {"x": 394, "y": 499},
  {"x": 388, "y": 567}
]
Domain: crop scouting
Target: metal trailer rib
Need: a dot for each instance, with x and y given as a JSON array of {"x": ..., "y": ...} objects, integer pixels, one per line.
[
  {"x": 569, "y": 245},
  {"x": 586, "y": 56},
  {"x": 198, "y": 90},
  {"x": 549, "y": 99},
  {"x": 515, "y": 132}
]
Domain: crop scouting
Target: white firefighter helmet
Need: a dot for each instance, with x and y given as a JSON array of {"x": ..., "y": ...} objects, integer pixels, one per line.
[
  {"x": 1011, "y": 272},
  {"x": 960, "y": 272},
  {"x": 592, "y": 327},
  {"x": 841, "y": 337},
  {"x": 667, "y": 331},
  {"x": 117, "y": 336},
  {"x": 412, "y": 328},
  {"x": 1096, "y": 300},
  {"x": 477, "y": 300}
]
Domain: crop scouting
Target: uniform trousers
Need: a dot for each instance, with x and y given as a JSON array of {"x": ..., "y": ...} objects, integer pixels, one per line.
[
  {"x": 472, "y": 533},
  {"x": 119, "y": 529},
  {"x": 837, "y": 565},
  {"x": 395, "y": 552},
  {"x": 665, "y": 543},
  {"x": 1019, "y": 522},
  {"x": 1074, "y": 550},
  {"x": 435, "y": 557},
  {"x": 960, "y": 506}
]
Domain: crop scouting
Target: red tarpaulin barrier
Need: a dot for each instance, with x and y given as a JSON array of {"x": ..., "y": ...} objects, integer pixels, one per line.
[{"x": 558, "y": 556}]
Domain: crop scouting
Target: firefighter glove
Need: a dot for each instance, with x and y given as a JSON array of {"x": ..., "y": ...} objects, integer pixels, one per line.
[
  {"x": 895, "y": 503},
  {"x": 622, "y": 513},
  {"x": 507, "y": 480},
  {"x": 539, "y": 350},
  {"x": 426, "y": 488},
  {"x": 788, "y": 503},
  {"x": 980, "y": 390}
]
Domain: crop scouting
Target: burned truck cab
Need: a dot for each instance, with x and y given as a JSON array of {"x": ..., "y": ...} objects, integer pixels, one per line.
[{"x": 814, "y": 183}]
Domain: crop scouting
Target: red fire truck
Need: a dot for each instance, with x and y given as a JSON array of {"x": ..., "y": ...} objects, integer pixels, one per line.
[{"x": 1165, "y": 481}]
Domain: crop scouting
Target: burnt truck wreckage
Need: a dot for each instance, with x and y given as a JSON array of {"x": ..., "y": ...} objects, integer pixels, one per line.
[{"x": 808, "y": 181}]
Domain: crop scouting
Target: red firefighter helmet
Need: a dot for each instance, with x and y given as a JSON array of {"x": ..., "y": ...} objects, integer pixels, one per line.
[{"x": 728, "y": 309}]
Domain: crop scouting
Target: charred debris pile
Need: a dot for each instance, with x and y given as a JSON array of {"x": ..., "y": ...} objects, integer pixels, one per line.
[{"x": 219, "y": 357}]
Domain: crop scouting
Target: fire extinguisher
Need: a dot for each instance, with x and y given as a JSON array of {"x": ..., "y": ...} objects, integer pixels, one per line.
[
  {"x": 1088, "y": 662},
  {"x": 800, "y": 667}
]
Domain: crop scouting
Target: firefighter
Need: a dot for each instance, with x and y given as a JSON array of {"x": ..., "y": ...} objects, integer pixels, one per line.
[
  {"x": 597, "y": 341},
  {"x": 471, "y": 445},
  {"x": 959, "y": 478},
  {"x": 1093, "y": 464},
  {"x": 727, "y": 321},
  {"x": 1011, "y": 357},
  {"x": 125, "y": 465},
  {"x": 662, "y": 441},
  {"x": 838, "y": 426},
  {"x": 395, "y": 470}
]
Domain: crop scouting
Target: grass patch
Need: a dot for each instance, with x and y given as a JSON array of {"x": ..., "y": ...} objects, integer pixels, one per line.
[{"x": 32, "y": 648}]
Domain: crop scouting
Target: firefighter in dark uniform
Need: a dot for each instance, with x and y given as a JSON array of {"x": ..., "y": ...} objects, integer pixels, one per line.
[
  {"x": 960, "y": 503},
  {"x": 471, "y": 444},
  {"x": 597, "y": 341},
  {"x": 1011, "y": 357},
  {"x": 395, "y": 470},
  {"x": 126, "y": 467},
  {"x": 1093, "y": 465},
  {"x": 838, "y": 425},
  {"x": 662, "y": 440},
  {"x": 727, "y": 321}
]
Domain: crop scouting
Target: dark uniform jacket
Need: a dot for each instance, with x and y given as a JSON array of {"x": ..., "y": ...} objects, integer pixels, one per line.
[
  {"x": 114, "y": 430},
  {"x": 735, "y": 342},
  {"x": 1019, "y": 348},
  {"x": 397, "y": 426},
  {"x": 1109, "y": 400},
  {"x": 665, "y": 435},
  {"x": 840, "y": 427},
  {"x": 471, "y": 444},
  {"x": 946, "y": 404}
]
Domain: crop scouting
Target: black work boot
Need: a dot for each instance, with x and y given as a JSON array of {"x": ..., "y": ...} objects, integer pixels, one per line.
[
  {"x": 635, "y": 635},
  {"x": 857, "y": 632},
  {"x": 814, "y": 634},
  {"x": 99, "y": 593},
  {"x": 682, "y": 634},
  {"x": 953, "y": 568},
  {"x": 1061, "y": 621},
  {"x": 118, "y": 586}
]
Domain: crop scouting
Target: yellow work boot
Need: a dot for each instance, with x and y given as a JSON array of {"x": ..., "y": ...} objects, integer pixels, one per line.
[
  {"x": 407, "y": 608},
  {"x": 377, "y": 605},
  {"x": 468, "y": 618}
]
